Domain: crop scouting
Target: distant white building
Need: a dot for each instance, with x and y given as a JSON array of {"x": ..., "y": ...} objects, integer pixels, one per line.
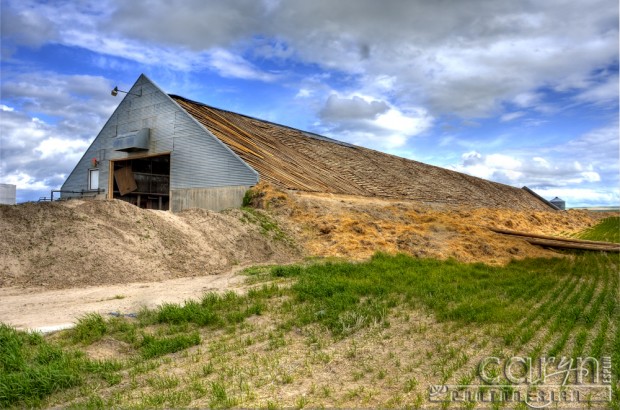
[{"x": 7, "y": 194}]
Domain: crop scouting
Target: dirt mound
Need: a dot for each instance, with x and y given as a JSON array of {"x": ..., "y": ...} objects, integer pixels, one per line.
[
  {"x": 81, "y": 243},
  {"x": 356, "y": 227}
]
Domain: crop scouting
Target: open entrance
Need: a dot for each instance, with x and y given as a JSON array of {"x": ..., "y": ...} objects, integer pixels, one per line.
[{"x": 144, "y": 182}]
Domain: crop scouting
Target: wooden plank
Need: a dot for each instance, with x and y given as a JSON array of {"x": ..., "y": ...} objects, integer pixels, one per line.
[
  {"x": 553, "y": 238},
  {"x": 572, "y": 245},
  {"x": 125, "y": 180}
]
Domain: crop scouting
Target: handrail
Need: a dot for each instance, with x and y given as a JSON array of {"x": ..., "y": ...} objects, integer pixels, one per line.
[{"x": 82, "y": 192}]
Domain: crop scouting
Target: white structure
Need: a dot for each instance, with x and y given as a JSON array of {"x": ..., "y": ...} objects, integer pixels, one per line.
[{"x": 7, "y": 194}]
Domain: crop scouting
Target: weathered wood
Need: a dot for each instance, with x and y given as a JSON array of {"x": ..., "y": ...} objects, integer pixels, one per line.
[
  {"x": 572, "y": 245},
  {"x": 554, "y": 238},
  {"x": 125, "y": 180},
  {"x": 561, "y": 243}
]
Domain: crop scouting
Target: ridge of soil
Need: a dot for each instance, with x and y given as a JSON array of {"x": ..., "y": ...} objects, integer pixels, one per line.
[
  {"x": 353, "y": 227},
  {"x": 80, "y": 243}
]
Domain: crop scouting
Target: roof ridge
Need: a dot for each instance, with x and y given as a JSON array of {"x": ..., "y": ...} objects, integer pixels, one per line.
[
  {"x": 320, "y": 137},
  {"x": 309, "y": 134}
]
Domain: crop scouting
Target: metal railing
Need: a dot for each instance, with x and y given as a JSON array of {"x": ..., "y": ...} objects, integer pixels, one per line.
[{"x": 82, "y": 193}]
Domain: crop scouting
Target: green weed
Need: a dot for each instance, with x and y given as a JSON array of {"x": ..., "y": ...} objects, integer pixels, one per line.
[
  {"x": 31, "y": 368},
  {"x": 163, "y": 382},
  {"x": 267, "y": 225},
  {"x": 153, "y": 346},
  {"x": 220, "y": 397},
  {"x": 89, "y": 328},
  {"x": 248, "y": 198}
]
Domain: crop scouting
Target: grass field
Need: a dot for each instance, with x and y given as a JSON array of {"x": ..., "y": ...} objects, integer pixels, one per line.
[
  {"x": 607, "y": 230},
  {"x": 369, "y": 334}
]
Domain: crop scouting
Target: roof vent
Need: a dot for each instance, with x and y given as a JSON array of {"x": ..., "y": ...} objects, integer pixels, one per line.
[{"x": 133, "y": 141}]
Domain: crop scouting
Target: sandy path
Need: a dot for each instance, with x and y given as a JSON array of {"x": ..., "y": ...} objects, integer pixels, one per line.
[{"x": 49, "y": 310}]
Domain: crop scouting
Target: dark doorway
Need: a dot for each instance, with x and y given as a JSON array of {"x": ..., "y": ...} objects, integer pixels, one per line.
[{"x": 144, "y": 182}]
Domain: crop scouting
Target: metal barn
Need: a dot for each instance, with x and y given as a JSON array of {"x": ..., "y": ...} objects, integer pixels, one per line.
[
  {"x": 153, "y": 154},
  {"x": 163, "y": 151}
]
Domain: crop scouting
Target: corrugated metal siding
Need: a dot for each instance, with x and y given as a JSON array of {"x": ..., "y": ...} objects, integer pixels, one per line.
[
  {"x": 8, "y": 194},
  {"x": 215, "y": 199},
  {"x": 198, "y": 159},
  {"x": 191, "y": 168}
]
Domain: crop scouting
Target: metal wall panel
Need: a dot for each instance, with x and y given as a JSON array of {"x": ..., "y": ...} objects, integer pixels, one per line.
[
  {"x": 8, "y": 194},
  {"x": 198, "y": 159},
  {"x": 215, "y": 199},
  {"x": 191, "y": 168}
]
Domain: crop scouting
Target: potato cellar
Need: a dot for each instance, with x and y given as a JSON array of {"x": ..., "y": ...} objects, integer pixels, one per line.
[{"x": 166, "y": 152}]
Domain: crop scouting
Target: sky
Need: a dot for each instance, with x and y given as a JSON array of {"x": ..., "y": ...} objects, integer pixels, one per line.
[{"x": 518, "y": 92}]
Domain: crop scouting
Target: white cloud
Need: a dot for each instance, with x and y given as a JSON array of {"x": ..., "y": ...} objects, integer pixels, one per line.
[
  {"x": 512, "y": 116},
  {"x": 125, "y": 30},
  {"x": 352, "y": 108},
  {"x": 48, "y": 128},
  {"x": 304, "y": 93},
  {"x": 61, "y": 96},
  {"x": 224, "y": 62},
  {"x": 522, "y": 170},
  {"x": 501, "y": 161},
  {"x": 230, "y": 65},
  {"x": 67, "y": 148},
  {"x": 595, "y": 176},
  {"x": 591, "y": 176},
  {"x": 23, "y": 181},
  {"x": 466, "y": 58},
  {"x": 363, "y": 120},
  {"x": 604, "y": 92},
  {"x": 19, "y": 19}
]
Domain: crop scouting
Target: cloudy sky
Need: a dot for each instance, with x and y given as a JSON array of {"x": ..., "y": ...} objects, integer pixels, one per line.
[{"x": 519, "y": 92}]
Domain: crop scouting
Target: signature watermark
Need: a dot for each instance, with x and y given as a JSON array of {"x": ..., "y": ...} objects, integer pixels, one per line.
[{"x": 539, "y": 382}]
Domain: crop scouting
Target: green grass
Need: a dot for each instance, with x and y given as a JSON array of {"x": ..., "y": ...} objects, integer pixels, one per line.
[
  {"x": 267, "y": 225},
  {"x": 345, "y": 296},
  {"x": 154, "y": 346},
  {"x": 89, "y": 329},
  {"x": 563, "y": 306},
  {"x": 608, "y": 230},
  {"x": 213, "y": 310},
  {"x": 32, "y": 368}
]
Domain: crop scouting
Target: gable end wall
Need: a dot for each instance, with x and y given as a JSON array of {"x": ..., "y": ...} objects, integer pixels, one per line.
[{"x": 198, "y": 160}]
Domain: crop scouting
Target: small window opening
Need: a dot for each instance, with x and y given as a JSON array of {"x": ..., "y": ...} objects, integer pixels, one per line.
[{"x": 93, "y": 179}]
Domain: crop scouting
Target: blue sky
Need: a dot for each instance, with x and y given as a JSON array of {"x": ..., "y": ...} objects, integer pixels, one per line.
[{"x": 519, "y": 92}]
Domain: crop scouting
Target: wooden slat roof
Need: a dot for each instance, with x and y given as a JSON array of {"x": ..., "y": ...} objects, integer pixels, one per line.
[{"x": 297, "y": 160}]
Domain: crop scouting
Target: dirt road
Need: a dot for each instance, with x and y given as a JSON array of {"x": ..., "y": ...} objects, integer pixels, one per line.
[{"x": 50, "y": 310}]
